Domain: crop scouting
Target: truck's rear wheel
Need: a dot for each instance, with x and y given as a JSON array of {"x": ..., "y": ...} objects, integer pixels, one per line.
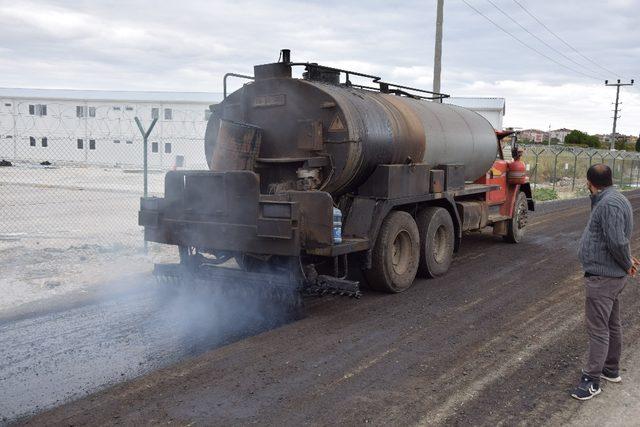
[
  {"x": 517, "y": 224},
  {"x": 436, "y": 241},
  {"x": 395, "y": 255}
]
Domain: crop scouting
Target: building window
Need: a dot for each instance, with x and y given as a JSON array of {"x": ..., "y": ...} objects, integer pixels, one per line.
[
  {"x": 7, "y": 104},
  {"x": 167, "y": 147},
  {"x": 128, "y": 108},
  {"x": 154, "y": 147},
  {"x": 155, "y": 113},
  {"x": 38, "y": 109},
  {"x": 116, "y": 108},
  {"x": 168, "y": 114},
  {"x": 116, "y": 141},
  {"x": 129, "y": 142},
  {"x": 82, "y": 111},
  {"x": 32, "y": 141},
  {"x": 45, "y": 142},
  {"x": 207, "y": 115},
  {"x": 80, "y": 144},
  {"x": 92, "y": 144}
]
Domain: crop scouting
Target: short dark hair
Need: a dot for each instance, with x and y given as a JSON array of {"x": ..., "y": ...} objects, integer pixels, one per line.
[{"x": 599, "y": 175}]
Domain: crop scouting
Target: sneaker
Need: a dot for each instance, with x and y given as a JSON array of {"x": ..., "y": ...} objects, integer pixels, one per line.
[
  {"x": 587, "y": 388},
  {"x": 611, "y": 375}
]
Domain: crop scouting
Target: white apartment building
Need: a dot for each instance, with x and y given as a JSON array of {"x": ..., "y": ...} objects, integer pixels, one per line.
[
  {"x": 560, "y": 134},
  {"x": 98, "y": 127}
]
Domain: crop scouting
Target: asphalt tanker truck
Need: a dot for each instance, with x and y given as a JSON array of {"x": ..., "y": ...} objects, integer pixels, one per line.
[{"x": 323, "y": 186}]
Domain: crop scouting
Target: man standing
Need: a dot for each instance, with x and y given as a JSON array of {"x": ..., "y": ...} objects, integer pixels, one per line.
[{"x": 606, "y": 259}]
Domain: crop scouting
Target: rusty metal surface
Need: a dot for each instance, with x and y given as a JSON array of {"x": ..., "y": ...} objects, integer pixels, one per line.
[
  {"x": 473, "y": 214},
  {"x": 356, "y": 129},
  {"x": 315, "y": 217},
  {"x": 237, "y": 148},
  {"x": 360, "y": 217},
  {"x": 436, "y": 178},
  {"x": 456, "y": 135}
]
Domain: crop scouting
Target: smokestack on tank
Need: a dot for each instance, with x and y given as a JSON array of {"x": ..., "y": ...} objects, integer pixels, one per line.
[{"x": 286, "y": 55}]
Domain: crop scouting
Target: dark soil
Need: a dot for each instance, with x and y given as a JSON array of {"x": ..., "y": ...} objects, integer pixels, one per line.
[{"x": 499, "y": 339}]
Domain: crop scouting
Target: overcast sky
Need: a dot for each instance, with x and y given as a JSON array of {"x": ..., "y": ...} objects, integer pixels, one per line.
[{"x": 189, "y": 45}]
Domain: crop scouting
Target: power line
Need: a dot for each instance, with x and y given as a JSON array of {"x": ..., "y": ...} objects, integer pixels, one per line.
[
  {"x": 526, "y": 45},
  {"x": 539, "y": 39},
  {"x": 563, "y": 41}
]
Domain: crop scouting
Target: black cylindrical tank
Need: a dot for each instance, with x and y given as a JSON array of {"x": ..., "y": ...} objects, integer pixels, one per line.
[{"x": 340, "y": 133}]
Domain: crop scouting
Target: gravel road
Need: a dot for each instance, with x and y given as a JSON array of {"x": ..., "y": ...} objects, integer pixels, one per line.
[{"x": 499, "y": 340}]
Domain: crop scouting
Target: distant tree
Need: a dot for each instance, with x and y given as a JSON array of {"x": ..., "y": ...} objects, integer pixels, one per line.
[
  {"x": 555, "y": 140},
  {"x": 593, "y": 142},
  {"x": 576, "y": 137},
  {"x": 638, "y": 144}
]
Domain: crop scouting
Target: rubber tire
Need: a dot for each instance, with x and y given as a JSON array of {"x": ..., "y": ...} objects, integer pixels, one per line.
[
  {"x": 382, "y": 276},
  {"x": 430, "y": 220},
  {"x": 514, "y": 232}
]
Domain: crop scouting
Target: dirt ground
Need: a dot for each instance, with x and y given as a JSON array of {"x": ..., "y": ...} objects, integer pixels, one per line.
[{"x": 498, "y": 340}]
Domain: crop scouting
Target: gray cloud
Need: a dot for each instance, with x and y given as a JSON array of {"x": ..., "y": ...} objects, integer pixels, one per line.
[{"x": 189, "y": 45}]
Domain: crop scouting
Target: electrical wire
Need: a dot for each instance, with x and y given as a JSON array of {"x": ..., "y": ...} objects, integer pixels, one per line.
[
  {"x": 542, "y": 41},
  {"x": 526, "y": 45},
  {"x": 564, "y": 41}
]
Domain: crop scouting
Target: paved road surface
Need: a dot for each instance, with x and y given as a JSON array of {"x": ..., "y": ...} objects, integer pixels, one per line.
[{"x": 499, "y": 339}]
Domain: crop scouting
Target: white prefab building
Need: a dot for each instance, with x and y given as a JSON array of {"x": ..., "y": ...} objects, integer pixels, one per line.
[
  {"x": 492, "y": 109},
  {"x": 98, "y": 127}
]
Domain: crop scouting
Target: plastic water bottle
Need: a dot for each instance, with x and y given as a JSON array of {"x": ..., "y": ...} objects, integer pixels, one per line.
[{"x": 337, "y": 226}]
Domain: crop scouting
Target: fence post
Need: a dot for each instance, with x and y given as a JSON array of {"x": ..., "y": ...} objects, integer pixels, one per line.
[
  {"x": 555, "y": 164},
  {"x": 535, "y": 170},
  {"x": 145, "y": 139},
  {"x": 576, "y": 152}
]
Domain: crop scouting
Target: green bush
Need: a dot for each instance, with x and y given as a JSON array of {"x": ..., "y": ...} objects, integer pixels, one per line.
[
  {"x": 542, "y": 194},
  {"x": 575, "y": 137}
]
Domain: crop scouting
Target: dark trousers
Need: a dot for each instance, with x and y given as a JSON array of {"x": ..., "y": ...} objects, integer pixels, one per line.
[{"x": 602, "y": 309}]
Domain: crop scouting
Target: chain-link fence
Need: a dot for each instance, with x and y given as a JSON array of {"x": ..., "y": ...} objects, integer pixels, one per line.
[
  {"x": 73, "y": 174},
  {"x": 76, "y": 170},
  {"x": 564, "y": 168}
]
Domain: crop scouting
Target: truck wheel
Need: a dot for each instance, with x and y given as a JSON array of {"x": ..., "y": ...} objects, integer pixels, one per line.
[
  {"x": 436, "y": 241},
  {"x": 517, "y": 224},
  {"x": 396, "y": 254}
]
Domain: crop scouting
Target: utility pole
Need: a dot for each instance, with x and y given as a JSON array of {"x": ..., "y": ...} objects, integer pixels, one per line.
[
  {"x": 615, "y": 111},
  {"x": 437, "y": 56}
]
